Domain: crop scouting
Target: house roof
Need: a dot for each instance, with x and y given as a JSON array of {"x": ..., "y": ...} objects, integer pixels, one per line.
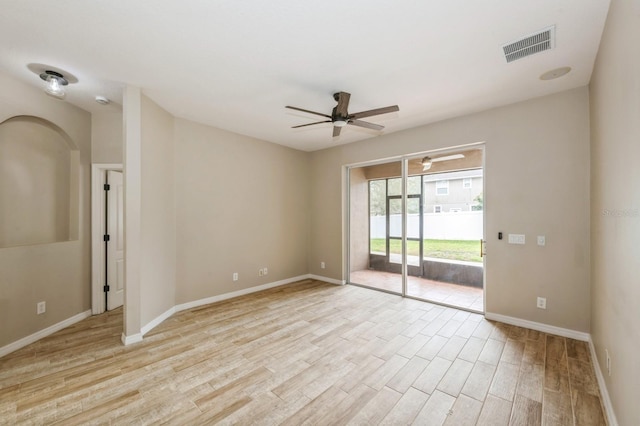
[{"x": 236, "y": 64}]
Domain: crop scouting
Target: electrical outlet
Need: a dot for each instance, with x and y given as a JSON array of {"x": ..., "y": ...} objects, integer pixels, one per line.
[
  {"x": 260, "y": 272},
  {"x": 541, "y": 240},
  {"x": 606, "y": 351},
  {"x": 542, "y": 303},
  {"x": 41, "y": 308},
  {"x": 322, "y": 265},
  {"x": 265, "y": 270},
  {"x": 235, "y": 276}
]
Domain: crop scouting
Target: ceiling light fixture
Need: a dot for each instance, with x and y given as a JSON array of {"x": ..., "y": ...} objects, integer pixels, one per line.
[
  {"x": 426, "y": 163},
  {"x": 55, "y": 83},
  {"x": 340, "y": 123}
]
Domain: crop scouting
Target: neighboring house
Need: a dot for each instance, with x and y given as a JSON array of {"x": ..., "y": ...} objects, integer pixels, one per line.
[{"x": 453, "y": 192}]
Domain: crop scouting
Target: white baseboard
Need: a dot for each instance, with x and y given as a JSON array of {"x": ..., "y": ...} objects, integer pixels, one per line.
[
  {"x": 545, "y": 328},
  {"x": 577, "y": 335},
  {"x": 213, "y": 299},
  {"x": 325, "y": 279},
  {"x": 156, "y": 321},
  {"x": 604, "y": 393},
  {"x": 244, "y": 291},
  {"x": 135, "y": 338},
  {"x": 129, "y": 340},
  {"x": 19, "y": 344}
]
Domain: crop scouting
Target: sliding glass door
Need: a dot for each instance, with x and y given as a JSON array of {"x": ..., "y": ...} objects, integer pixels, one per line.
[
  {"x": 416, "y": 227},
  {"x": 376, "y": 226}
]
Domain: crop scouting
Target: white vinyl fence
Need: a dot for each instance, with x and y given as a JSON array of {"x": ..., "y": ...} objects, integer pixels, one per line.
[{"x": 437, "y": 226}]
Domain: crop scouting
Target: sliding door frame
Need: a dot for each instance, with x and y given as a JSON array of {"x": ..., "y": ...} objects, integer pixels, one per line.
[{"x": 404, "y": 159}]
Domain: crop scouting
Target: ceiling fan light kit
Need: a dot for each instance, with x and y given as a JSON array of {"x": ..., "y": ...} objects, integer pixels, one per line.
[
  {"x": 426, "y": 163},
  {"x": 340, "y": 116}
]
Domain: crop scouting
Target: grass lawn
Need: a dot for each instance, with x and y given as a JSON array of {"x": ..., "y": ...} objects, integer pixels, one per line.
[{"x": 468, "y": 250}]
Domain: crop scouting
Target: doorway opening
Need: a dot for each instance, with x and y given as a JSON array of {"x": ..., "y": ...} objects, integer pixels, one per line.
[
  {"x": 416, "y": 227},
  {"x": 107, "y": 238}
]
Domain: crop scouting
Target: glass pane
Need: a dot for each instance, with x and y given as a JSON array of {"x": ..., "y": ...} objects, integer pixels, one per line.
[
  {"x": 413, "y": 185},
  {"x": 413, "y": 218},
  {"x": 395, "y": 186},
  {"x": 395, "y": 217},
  {"x": 378, "y": 216},
  {"x": 451, "y": 269},
  {"x": 373, "y": 214}
]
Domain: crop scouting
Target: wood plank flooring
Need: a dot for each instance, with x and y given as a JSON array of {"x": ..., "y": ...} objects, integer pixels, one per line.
[{"x": 307, "y": 353}]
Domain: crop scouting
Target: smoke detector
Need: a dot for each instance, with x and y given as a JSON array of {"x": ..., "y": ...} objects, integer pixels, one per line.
[
  {"x": 102, "y": 100},
  {"x": 540, "y": 41},
  {"x": 555, "y": 73}
]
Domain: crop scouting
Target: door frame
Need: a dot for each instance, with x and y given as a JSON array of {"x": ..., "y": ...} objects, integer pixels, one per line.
[{"x": 98, "y": 179}]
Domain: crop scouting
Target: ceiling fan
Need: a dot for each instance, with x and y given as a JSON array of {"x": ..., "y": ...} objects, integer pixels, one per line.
[
  {"x": 427, "y": 162},
  {"x": 340, "y": 116}
]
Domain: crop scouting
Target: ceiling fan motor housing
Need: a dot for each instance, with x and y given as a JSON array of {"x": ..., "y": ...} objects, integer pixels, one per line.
[{"x": 340, "y": 116}]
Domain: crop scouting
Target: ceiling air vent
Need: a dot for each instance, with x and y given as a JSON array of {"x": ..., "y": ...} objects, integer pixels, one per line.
[{"x": 530, "y": 45}]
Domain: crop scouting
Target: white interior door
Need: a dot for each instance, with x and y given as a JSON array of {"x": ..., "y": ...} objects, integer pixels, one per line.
[{"x": 115, "y": 246}]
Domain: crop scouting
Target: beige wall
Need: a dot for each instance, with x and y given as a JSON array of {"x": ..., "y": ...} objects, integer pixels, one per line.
[
  {"x": 158, "y": 213},
  {"x": 359, "y": 220},
  {"x": 132, "y": 134},
  {"x": 615, "y": 207},
  {"x": 241, "y": 204},
  {"x": 36, "y": 165},
  {"x": 57, "y": 273},
  {"x": 106, "y": 136},
  {"x": 537, "y": 183}
]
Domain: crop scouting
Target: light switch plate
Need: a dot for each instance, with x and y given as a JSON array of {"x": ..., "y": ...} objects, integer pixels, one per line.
[{"x": 516, "y": 239}]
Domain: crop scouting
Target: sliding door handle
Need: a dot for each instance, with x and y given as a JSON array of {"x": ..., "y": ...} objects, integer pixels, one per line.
[{"x": 482, "y": 247}]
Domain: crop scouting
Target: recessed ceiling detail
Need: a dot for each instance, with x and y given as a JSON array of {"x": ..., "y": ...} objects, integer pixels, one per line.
[{"x": 530, "y": 45}]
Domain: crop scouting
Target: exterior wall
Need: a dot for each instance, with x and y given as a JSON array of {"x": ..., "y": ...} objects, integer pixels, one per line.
[
  {"x": 359, "y": 220},
  {"x": 517, "y": 200},
  {"x": 58, "y": 273},
  {"x": 615, "y": 207},
  {"x": 459, "y": 197}
]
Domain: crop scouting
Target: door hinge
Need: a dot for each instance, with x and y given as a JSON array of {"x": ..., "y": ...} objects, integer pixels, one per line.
[
  {"x": 106, "y": 288},
  {"x": 106, "y": 238},
  {"x": 107, "y": 187}
]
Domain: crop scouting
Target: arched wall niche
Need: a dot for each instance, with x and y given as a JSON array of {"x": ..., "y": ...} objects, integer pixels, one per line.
[{"x": 39, "y": 183}]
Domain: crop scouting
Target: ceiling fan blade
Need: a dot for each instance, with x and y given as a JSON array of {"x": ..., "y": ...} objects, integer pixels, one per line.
[
  {"x": 366, "y": 124},
  {"x": 306, "y": 110},
  {"x": 448, "y": 157},
  {"x": 336, "y": 131},
  {"x": 343, "y": 103},
  {"x": 376, "y": 111},
  {"x": 310, "y": 124}
]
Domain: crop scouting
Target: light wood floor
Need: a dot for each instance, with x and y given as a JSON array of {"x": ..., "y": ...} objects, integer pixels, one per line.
[{"x": 307, "y": 353}]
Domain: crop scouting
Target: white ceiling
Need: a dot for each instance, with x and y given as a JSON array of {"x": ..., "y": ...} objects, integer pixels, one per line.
[{"x": 236, "y": 64}]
